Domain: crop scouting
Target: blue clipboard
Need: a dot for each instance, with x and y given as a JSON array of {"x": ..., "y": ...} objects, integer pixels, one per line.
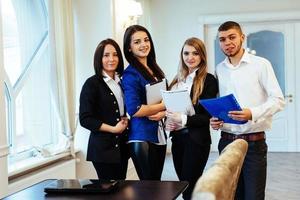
[{"x": 219, "y": 107}]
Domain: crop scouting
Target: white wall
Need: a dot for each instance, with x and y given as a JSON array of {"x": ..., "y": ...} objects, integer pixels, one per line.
[
  {"x": 173, "y": 21},
  {"x": 93, "y": 23}
]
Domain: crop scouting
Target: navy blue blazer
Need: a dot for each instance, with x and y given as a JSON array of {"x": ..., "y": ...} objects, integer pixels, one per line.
[
  {"x": 99, "y": 105},
  {"x": 141, "y": 128}
]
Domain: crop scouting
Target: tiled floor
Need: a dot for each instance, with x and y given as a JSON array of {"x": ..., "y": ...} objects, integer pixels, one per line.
[{"x": 283, "y": 178}]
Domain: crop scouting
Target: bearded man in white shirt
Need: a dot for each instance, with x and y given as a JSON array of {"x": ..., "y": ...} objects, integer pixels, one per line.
[{"x": 252, "y": 81}]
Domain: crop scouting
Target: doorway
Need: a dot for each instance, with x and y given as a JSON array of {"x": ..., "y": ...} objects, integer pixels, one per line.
[{"x": 275, "y": 40}]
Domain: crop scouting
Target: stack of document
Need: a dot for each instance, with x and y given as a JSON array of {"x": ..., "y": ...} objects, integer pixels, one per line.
[
  {"x": 178, "y": 101},
  {"x": 153, "y": 94}
]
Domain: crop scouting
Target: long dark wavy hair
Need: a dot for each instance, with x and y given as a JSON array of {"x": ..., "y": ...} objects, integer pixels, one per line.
[
  {"x": 98, "y": 65},
  {"x": 151, "y": 58}
]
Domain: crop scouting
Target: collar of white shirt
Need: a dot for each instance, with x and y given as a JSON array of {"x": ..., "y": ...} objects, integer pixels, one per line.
[
  {"x": 191, "y": 76},
  {"x": 107, "y": 78},
  {"x": 245, "y": 59}
]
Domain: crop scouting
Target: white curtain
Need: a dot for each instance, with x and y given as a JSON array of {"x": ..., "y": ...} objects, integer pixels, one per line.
[{"x": 63, "y": 64}]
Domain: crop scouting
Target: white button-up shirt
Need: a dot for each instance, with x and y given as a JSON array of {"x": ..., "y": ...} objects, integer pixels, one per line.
[
  {"x": 185, "y": 84},
  {"x": 114, "y": 86},
  {"x": 254, "y": 84}
]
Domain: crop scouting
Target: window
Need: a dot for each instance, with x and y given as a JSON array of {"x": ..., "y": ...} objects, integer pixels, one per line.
[
  {"x": 7, "y": 111},
  {"x": 32, "y": 120}
]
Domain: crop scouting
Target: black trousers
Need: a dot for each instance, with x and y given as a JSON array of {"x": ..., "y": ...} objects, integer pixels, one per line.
[
  {"x": 112, "y": 171},
  {"x": 148, "y": 159},
  {"x": 189, "y": 160},
  {"x": 252, "y": 181}
]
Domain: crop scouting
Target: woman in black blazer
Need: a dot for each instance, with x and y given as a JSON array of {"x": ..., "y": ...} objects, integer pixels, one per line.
[
  {"x": 102, "y": 112},
  {"x": 190, "y": 131}
]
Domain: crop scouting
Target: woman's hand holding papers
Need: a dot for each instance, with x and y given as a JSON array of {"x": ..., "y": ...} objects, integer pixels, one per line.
[
  {"x": 170, "y": 126},
  {"x": 174, "y": 116},
  {"x": 174, "y": 121},
  {"x": 158, "y": 116}
]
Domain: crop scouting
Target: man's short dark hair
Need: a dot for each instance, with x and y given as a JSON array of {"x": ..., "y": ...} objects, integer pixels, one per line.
[{"x": 230, "y": 25}]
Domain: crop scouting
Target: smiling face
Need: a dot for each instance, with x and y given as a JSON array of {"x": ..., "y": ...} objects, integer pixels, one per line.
[
  {"x": 140, "y": 45},
  {"x": 231, "y": 42},
  {"x": 191, "y": 57},
  {"x": 110, "y": 59}
]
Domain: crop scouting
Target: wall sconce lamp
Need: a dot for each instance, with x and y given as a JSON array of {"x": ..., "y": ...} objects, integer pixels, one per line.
[{"x": 134, "y": 11}]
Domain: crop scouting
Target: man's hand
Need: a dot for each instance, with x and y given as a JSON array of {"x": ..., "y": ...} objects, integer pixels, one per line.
[
  {"x": 243, "y": 115},
  {"x": 215, "y": 123}
]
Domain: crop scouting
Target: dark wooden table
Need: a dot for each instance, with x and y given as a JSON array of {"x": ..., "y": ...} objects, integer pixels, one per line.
[{"x": 127, "y": 190}]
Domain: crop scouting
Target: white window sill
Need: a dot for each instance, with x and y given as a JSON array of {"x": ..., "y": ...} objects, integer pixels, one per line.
[
  {"x": 33, "y": 162},
  {"x": 30, "y": 164}
]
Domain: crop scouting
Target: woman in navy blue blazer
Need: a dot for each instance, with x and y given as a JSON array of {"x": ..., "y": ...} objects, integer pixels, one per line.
[
  {"x": 147, "y": 140},
  {"x": 102, "y": 112}
]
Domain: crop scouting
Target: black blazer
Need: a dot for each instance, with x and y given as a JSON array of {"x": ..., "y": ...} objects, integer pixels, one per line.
[
  {"x": 99, "y": 105},
  {"x": 198, "y": 124}
]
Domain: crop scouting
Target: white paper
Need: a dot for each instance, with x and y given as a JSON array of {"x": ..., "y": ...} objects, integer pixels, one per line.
[
  {"x": 153, "y": 94},
  {"x": 178, "y": 101}
]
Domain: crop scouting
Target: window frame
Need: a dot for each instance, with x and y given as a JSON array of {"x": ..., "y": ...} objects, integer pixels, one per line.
[{"x": 11, "y": 93}]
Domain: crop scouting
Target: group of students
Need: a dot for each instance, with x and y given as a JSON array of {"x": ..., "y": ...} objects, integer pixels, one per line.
[{"x": 113, "y": 95}]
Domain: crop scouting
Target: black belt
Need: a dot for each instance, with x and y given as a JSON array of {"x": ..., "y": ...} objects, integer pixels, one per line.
[{"x": 250, "y": 137}]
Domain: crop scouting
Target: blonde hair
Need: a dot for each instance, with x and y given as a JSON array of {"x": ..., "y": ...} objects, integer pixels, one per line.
[{"x": 183, "y": 72}]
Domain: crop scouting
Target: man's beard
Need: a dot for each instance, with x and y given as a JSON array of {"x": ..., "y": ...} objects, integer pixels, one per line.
[{"x": 234, "y": 53}]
